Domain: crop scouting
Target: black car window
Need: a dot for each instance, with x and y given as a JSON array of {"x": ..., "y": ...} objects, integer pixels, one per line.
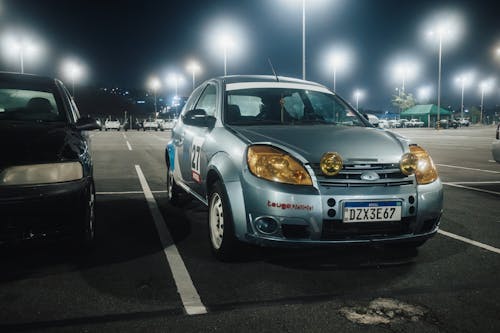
[{"x": 30, "y": 105}]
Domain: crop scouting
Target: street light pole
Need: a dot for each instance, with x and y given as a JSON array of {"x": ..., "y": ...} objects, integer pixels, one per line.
[
  {"x": 21, "y": 57},
  {"x": 439, "y": 80},
  {"x": 482, "y": 101},
  {"x": 304, "y": 40},
  {"x": 225, "y": 59},
  {"x": 462, "y": 79}
]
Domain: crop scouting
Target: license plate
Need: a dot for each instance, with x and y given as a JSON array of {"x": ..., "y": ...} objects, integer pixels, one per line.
[{"x": 372, "y": 211}]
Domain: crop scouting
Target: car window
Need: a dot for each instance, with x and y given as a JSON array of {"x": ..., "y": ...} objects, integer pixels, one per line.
[
  {"x": 29, "y": 105},
  {"x": 261, "y": 106},
  {"x": 208, "y": 100}
]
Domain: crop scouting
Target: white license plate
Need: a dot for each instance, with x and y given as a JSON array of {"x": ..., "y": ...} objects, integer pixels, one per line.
[{"x": 373, "y": 211}]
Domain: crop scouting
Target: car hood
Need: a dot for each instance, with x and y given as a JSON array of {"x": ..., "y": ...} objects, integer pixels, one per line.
[
  {"x": 32, "y": 143},
  {"x": 354, "y": 144}
]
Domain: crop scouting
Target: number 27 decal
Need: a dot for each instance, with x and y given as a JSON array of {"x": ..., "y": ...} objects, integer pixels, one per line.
[{"x": 196, "y": 158}]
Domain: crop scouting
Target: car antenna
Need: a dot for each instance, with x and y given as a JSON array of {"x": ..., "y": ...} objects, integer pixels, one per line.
[{"x": 272, "y": 68}]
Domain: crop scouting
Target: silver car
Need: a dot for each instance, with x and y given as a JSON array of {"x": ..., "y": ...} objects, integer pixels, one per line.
[{"x": 280, "y": 161}]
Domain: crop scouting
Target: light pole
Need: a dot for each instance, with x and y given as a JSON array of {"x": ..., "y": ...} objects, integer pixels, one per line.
[
  {"x": 154, "y": 84},
  {"x": 358, "y": 94},
  {"x": 485, "y": 87},
  {"x": 20, "y": 47},
  {"x": 338, "y": 60},
  {"x": 303, "y": 39},
  {"x": 73, "y": 71},
  {"x": 226, "y": 42},
  {"x": 193, "y": 67},
  {"x": 463, "y": 80}
]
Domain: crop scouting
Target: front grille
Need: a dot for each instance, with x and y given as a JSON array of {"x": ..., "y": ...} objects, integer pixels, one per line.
[
  {"x": 350, "y": 175},
  {"x": 338, "y": 230}
]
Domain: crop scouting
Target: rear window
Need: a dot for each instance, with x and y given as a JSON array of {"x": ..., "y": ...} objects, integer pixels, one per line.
[{"x": 29, "y": 105}]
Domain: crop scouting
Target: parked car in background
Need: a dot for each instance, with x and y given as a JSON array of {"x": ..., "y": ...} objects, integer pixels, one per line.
[
  {"x": 447, "y": 123},
  {"x": 495, "y": 146},
  {"x": 414, "y": 123},
  {"x": 167, "y": 124},
  {"x": 464, "y": 122},
  {"x": 373, "y": 119},
  {"x": 46, "y": 173},
  {"x": 288, "y": 163},
  {"x": 402, "y": 122},
  {"x": 112, "y": 124},
  {"x": 150, "y": 124}
]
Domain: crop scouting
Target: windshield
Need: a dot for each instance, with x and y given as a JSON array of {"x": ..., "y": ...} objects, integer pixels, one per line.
[
  {"x": 29, "y": 105},
  {"x": 268, "y": 106}
]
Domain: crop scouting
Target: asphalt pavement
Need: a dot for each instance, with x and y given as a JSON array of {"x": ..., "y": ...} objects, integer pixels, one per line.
[{"x": 152, "y": 271}]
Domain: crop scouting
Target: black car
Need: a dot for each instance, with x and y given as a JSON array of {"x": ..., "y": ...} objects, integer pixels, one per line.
[{"x": 46, "y": 177}]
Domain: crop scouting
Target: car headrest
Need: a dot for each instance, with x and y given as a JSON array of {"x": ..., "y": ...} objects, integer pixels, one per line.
[
  {"x": 39, "y": 104},
  {"x": 233, "y": 112}
]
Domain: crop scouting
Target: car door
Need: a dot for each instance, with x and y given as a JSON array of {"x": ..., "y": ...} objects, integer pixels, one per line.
[{"x": 192, "y": 157}]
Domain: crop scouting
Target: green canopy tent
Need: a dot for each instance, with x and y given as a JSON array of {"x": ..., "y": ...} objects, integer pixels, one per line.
[{"x": 426, "y": 113}]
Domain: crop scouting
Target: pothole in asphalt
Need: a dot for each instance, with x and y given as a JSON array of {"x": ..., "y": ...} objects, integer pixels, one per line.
[{"x": 383, "y": 311}]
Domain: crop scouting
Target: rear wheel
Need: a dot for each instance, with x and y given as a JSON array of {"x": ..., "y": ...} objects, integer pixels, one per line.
[{"x": 220, "y": 224}]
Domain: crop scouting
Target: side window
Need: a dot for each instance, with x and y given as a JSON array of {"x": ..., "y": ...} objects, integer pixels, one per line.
[
  {"x": 192, "y": 99},
  {"x": 207, "y": 100}
]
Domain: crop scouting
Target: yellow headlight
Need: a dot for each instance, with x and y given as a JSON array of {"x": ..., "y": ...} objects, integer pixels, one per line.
[
  {"x": 418, "y": 161},
  {"x": 331, "y": 164},
  {"x": 277, "y": 166}
]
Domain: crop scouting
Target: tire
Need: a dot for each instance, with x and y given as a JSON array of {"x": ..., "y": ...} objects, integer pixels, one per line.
[{"x": 223, "y": 242}]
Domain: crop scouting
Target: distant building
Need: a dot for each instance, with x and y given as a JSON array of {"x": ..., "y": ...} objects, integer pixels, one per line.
[{"x": 426, "y": 113}]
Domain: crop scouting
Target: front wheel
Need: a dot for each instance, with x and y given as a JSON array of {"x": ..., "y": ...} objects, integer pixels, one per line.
[{"x": 223, "y": 241}]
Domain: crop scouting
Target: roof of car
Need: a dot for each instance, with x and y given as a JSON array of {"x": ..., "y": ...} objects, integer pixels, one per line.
[
  {"x": 262, "y": 78},
  {"x": 26, "y": 78}
]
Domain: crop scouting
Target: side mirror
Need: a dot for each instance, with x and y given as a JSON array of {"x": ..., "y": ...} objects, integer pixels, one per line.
[
  {"x": 366, "y": 116},
  {"x": 198, "y": 118},
  {"x": 86, "y": 124}
]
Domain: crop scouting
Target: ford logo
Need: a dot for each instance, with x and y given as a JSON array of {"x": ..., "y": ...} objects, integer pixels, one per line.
[{"x": 370, "y": 175}]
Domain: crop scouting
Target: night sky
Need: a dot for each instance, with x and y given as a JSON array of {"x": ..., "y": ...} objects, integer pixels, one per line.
[{"x": 122, "y": 43}]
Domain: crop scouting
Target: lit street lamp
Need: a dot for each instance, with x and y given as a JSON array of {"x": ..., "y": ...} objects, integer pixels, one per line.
[
  {"x": 338, "y": 61},
  {"x": 73, "y": 71},
  {"x": 193, "y": 67},
  {"x": 405, "y": 71},
  {"x": 485, "y": 87},
  {"x": 226, "y": 42},
  {"x": 358, "y": 94},
  {"x": 463, "y": 80},
  {"x": 154, "y": 84},
  {"x": 423, "y": 94},
  {"x": 446, "y": 29},
  {"x": 21, "y": 47}
]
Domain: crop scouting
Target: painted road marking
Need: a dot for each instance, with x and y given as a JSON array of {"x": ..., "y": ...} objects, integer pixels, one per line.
[
  {"x": 469, "y": 241},
  {"x": 464, "y": 168},
  {"x": 492, "y": 161},
  {"x": 128, "y": 145},
  {"x": 475, "y": 183},
  {"x": 185, "y": 287},
  {"x": 472, "y": 188},
  {"x": 127, "y": 192}
]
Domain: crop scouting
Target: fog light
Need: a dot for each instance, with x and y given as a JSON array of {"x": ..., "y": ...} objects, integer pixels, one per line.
[
  {"x": 332, "y": 212},
  {"x": 331, "y": 202},
  {"x": 411, "y": 199},
  {"x": 266, "y": 225},
  {"x": 412, "y": 210}
]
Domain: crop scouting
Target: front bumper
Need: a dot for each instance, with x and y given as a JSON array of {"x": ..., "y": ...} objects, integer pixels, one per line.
[
  {"x": 42, "y": 211},
  {"x": 305, "y": 216}
]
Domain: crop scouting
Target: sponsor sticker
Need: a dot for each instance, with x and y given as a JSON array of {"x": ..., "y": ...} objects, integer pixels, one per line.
[{"x": 286, "y": 205}]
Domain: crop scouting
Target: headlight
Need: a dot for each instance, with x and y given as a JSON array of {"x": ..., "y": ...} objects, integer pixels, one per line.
[
  {"x": 277, "y": 166},
  {"x": 420, "y": 163},
  {"x": 41, "y": 173}
]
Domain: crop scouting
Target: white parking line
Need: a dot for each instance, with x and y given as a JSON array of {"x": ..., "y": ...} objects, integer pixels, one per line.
[
  {"x": 185, "y": 287},
  {"x": 475, "y": 183},
  {"x": 465, "y": 168},
  {"x": 472, "y": 188},
  {"x": 128, "y": 145},
  {"x": 127, "y": 192},
  {"x": 469, "y": 241}
]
